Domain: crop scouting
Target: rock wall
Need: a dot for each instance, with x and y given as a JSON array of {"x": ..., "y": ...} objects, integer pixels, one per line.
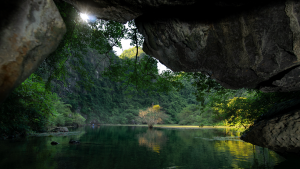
[
  {"x": 72, "y": 89},
  {"x": 278, "y": 130},
  {"x": 123, "y": 10},
  {"x": 250, "y": 47},
  {"x": 29, "y": 31}
]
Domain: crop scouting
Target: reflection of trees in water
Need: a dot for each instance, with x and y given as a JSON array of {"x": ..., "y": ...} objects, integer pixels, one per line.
[
  {"x": 258, "y": 157},
  {"x": 153, "y": 139},
  {"x": 229, "y": 132},
  {"x": 237, "y": 154}
]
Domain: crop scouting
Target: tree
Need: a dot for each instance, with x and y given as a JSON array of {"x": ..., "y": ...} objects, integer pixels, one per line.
[
  {"x": 204, "y": 84},
  {"x": 141, "y": 76},
  {"x": 152, "y": 115},
  {"x": 131, "y": 53}
]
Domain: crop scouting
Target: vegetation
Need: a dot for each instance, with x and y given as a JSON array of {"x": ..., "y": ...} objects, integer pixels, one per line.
[
  {"x": 32, "y": 108},
  {"x": 151, "y": 116},
  {"x": 227, "y": 107},
  {"x": 63, "y": 116},
  {"x": 131, "y": 53}
]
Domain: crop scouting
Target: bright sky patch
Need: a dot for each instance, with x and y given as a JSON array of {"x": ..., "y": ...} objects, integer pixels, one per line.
[{"x": 84, "y": 17}]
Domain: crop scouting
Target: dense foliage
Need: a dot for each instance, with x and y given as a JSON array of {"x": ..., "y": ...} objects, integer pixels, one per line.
[
  {"x": 32, "y": 108},
  {"x": 231, "y": 107},
  {"x": 112, "y": 99}
]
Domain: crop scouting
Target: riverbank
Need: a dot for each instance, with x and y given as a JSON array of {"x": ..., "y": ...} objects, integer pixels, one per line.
[
  {"x": 48, "y": 132},
  {"x": 170, "y": 126},
  {"x": 175, "y": 126}
]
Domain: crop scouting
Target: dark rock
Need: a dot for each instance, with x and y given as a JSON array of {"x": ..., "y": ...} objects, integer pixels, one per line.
[
  {"x": 4, "y": 136},
  {"x": 280, "y": 108},
  {"x": 74, "y": 142},
  {"x": 278, "y": 129},
  {"x": 290, "y": 163},
  {"x": 126, "y": 10},
  {"x": 29, "y": 31},
  {"x": 150, "y": 126},
  {"x": 123, "y": 11},
  {"x": 60, "y": 129},
  {"x": 75, "y": 125},
  {"x": 252, "y": 48},
  {"x": 94, "y": 121},
  {"x": 133, "y": 122},
  {"x": 54, "y": 143},
  {"x": 11, "y": 136},
  {"x": 64, "y": 129},
  {"x": 42, "y": 130}
]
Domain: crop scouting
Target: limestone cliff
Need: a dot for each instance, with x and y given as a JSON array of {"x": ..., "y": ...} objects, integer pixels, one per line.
[
  {"x": 253, "y": 48},
  {"x": 29, "y": 31},
  {"x": 93, "y": 64},
  {"x": 278, "y": 129}
]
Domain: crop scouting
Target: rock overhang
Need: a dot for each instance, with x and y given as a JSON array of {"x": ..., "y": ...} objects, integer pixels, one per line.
[{"x": 240, "y": 44}]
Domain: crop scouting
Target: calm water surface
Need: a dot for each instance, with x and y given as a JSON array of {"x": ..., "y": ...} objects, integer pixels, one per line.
[{"x": 109, "y": 147}]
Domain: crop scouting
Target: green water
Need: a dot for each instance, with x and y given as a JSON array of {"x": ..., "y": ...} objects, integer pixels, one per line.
[{"x": 109, "y": 147}]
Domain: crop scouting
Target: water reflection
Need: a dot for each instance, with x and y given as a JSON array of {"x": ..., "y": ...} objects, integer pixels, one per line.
[
  {"x": 127, "y": 147},
  {"x": 242, "y": 153},
  {"x": 153, "y": 139},
  {"x": 223, "y": 149}
]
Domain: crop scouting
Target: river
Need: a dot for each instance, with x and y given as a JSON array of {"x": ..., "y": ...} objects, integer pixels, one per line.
[{"x": 112, "y": 147}]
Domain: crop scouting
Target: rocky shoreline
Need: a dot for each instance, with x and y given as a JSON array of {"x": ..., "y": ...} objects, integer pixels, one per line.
[
  {"x": 278, "y": 129},
  {"x": 51, "y": 131}
]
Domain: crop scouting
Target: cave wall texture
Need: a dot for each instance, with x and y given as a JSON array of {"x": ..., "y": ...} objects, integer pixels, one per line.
[
  {"x": 257, "y": 48},
  {"x": 29, "y": 31},
  {"x": 278, "y": 129}
]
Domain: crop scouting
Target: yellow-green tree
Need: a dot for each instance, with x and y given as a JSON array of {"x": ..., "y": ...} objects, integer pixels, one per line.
[
  {"x": 152, "y": 116},
  {"x": 131, "y": 53},
  {"x": 237, "y": 111}
]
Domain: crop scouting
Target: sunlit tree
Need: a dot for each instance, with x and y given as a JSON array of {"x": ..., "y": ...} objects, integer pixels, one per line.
[
  {"x": 238, "y": 111},
  {"x": 152, "y": 116}
]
